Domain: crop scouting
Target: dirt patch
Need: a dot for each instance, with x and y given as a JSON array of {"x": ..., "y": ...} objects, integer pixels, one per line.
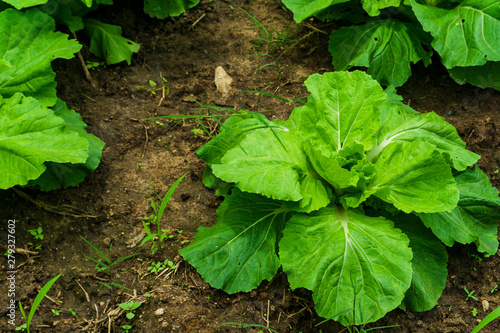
[{"x": 140, "y": 153}]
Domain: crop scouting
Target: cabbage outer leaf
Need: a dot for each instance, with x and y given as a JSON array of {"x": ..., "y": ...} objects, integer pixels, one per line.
[
  {"x": 64, "y": 175},
  {"x": 167, "y": 8},
  {"x": 481, "y": 76},
  {"x": 467, "y": 35},
  {"x": 20, "y": 4},
  {"x": 239, "y": 252},
  {"x": 277, "y": 169},
  {"x": 414, "y": 177},
  {"x": 428, "y": 264},
  {"x": 373, "y": 7},
  {"x": 29, "y": 45},
  {"x": 348, "y": 260},
  {"x": 430, "y": 128},
  {"x": 475, "y": 219},
  {"x": 106, "y": 42},
  {"x": 303, "y": 9},
  {"x": 30, "y": 135},
  {"x": 386, "y": 47}
]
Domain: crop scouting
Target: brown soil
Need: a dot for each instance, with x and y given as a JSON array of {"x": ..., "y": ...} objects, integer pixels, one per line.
[{"x": 186, "y": 51}]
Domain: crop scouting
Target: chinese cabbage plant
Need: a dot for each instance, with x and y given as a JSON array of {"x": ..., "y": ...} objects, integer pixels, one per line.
[
  {"x": 42, "y": 142},
  {"x": 388, "y": 36},
  {"x": 353, "y": 196}
]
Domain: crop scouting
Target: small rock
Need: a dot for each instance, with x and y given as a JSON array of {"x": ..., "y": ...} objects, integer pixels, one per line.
[
  {"x": 486, "y": 305},
  {"x": 159, "y": 312},
  {"x": 223, "y": 82}
]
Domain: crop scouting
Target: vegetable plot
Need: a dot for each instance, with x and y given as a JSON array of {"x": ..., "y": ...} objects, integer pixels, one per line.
[
  {"x": 396, "y": 33},
  {"x": 353, "y": 196}
]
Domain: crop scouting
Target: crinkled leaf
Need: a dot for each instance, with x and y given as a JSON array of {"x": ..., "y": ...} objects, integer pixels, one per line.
[
  {"x": 30, "y": 44},
  {"x": 30, "y": 135},
  {"x": 62, "y": 12},
  {"x": 106, "y": 41},
  {"x": 394, "y": 98},
  {"x": 233, "y": 130},
  {"x": 373, "y": 7},
  {"x": 278, "y": 169},
  {"x": 485, "y": 76},
  {"x": 429, "y": 127},
  {"x": 167, "y": 8},
  {"x": 345, "y": 256},
  {"x": 466, "y": 35},
  {"x": 414, "y": 177},
  {"x": 428, "y": 264},
  {"x": 239, "y": 251},
  {"x": 341, "y": 110},
  {"x": 62, "y": 175},
  {"x": 386, "y": 47},
  {"x": 303, "y": 9},
  {"x": 351, "y": 11},
  {"x": 220, "y": 187},
  {"x": 476, "y": 217},
  {"x": 20, "y": 4}
]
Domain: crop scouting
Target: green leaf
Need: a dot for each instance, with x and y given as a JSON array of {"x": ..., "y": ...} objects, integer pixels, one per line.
[
  {"x": 373, "y": 7},
  {"x": 30, "y": 135},
  {"x": 233, "y": 130},
  {"x": 62, "y": 12},
  {"x": 341, "y": 109},
  {"x": 239, "y": 252},
  {"x": 39, "y": 298},
  {"x": 466, "y": 35},
  {"x": 428, "y": 127},
  {"x": 413, "y": 176},
  {"x": 476, "y": 217},
  {"x": 346, "y": 257},
  {"x": 58, "y": 175},
  {"x": 482, "y": 76},
  {"x": 20, "y": 4},
  {"x": 303, "y": 9},
  {"x": 351, "y": 11},
  {"x": 106, "y": 42},
  {"x": 386, "y": 47},
  {"x": 30, "y": 45},
  {"x": 220, "y": 187},
  {"x": 278, "y": 169},
  {"x": 167, "y": 8},
  {"x": 428, "y": 264},
  {"x": 394, "y": 98}
]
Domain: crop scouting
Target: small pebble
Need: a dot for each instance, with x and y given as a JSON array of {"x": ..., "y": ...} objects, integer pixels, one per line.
[
  {"x": 159, "y": 312},
  {"x": 486, "y": 305}
]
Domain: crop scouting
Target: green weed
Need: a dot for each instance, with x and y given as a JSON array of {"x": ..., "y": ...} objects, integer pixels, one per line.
[
  {"x": 107, "y": 264},
  {"x": 39, "y": 297},
  {"x": 470, "y": 294},
  {"x": 130, "y": 307},
  {"x": 157, "y": 237}
]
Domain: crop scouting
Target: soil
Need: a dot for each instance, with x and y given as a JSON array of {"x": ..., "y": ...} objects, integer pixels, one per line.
[{"x": 109, "y": 206}]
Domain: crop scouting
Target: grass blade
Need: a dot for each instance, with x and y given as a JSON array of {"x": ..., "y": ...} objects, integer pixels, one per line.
[
  {"x": 488, "y": 319},
  {"x": 106, "y": 266},
  {"x": 165, "y": 200},
  {"x": 96, "y": 249},
  {"x": 124, "y": 258},
  {"x": 255, "y": 91},
  {"x": 41, "y": 294}
]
